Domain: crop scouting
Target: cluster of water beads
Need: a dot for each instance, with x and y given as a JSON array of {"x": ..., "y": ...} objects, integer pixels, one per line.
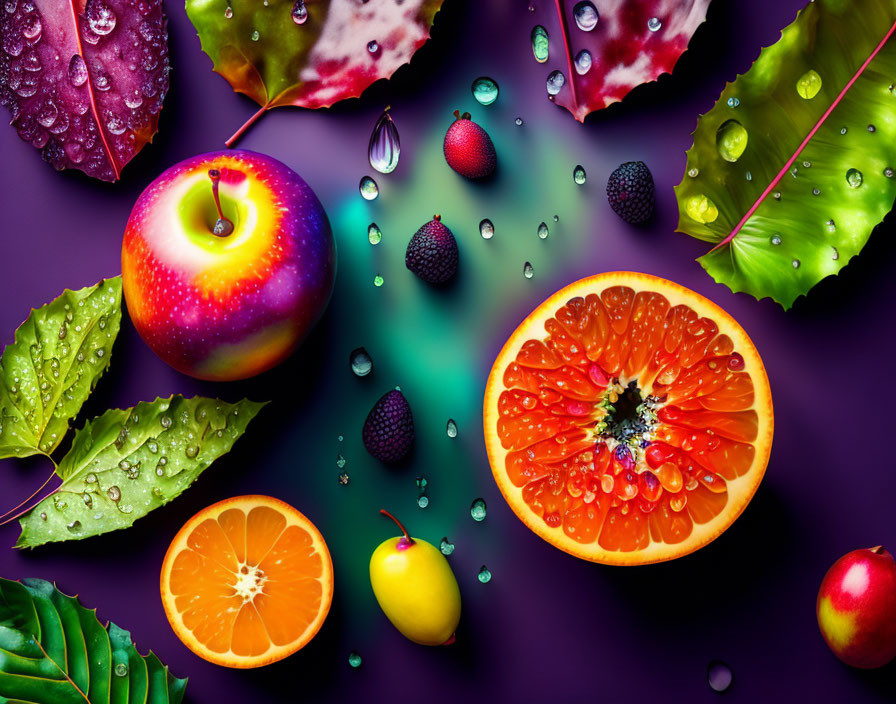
[
  {"x": 361, "y": 362},
  {"x": 342, "y": 477},
  {"x": 528, "y": 270},
  {"x": 578, "y": 175},
  {"x": 484, "y": 576},
  {"x": 486, "y": 229},
  {"x": 355, "y": 660},
  {"x": 543, "y": 231},
  {"x": 485, "y": 90},
  {"x": 384, "y": 147},
  {"x": 422, "y": 498},
  {"x": 478, "y": 510},
  {"x": 374, "y": 234},
  {"x": 451, "y": 428},
  {"x": 446, "y": 546},
  {"x": 368, "y": 188},
  {"x": 719, "y": 676}
]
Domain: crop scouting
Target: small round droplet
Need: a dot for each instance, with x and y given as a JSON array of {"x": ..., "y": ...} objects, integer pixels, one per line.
[
  {"x": 748, "y": 176},
  {"x": 693, "y": 172},
  {"x": 719, "y": 676},
  {"x": 100, "y": 17},
  {"x": 831, "y": 225},
  {"x": 854, "y": 178},
  {"x": 423, "y": 501},
  {"x": 374, "y": 234},
  {"x": 486, "y": 229},
  {"x": 583, "y": 62},
  {"x": 733, "y": 102},
  {"x": 556, "y": 218},
  {"x": 368, "y": 188},
  {"x": 478, "y": 510},
  {"x": 451, "y": 428},
  {"x": 255, "y": 36},
  {"x": 378, "y": 280},
  {"x": 795, "y": 263},
  {"x": 556, "y": 81},
  {"x": 114, "y": 493},
  {"x": 777, "y": 195},
  {"x": 816, "y": 191},
  {"x": 228, "y": 12},
  {"x": 485, "y": 90},
  {"x": 540, "y": 43},
  {"x": 373, "y": 46},
  {"x": 808, "y": 85},
  {"x": 579, "y": 175},
  {"x": 361, "y": 362},
  {"x": 74, "y": 527},
  {"x": 585, "y": 15},
  {"x": 888, "y": 172},
  {"x": 484, "y": 575},
  {"x": 299, "y": 12},
  {"x": 192, "y": 451},
  {"x": 775, "y": 240},
  {"x": 654, "y": 24},
  {"x": 835, "y": 255},
  {"x": 121, "y": 670},
  {"x": 518, "y": 122},
  {"x": 543, "y": 231},
  {"x": 528, "y": 271},
  {"x": 446, "y": 546},
  {"x": 355, "y": 660},
  {"x": 872, "y": 128}
]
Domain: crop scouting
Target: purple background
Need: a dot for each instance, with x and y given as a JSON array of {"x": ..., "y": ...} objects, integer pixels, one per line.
[{"x": 549, "y": 627}]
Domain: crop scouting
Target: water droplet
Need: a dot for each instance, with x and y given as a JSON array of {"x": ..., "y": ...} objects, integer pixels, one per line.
[
  {"x": 361, "y": 362},
  {"x": 423, "y": 501},
  {"x": 888, "y": 172},
  {"x": 74, "y": 527},
  {"x": 383, "y": 149},
  {"x": 579, "y": 175},
  {"x": 775, "y": 240},
  {"x": 446, "y": 547},
  {"x": 583, "y": 62},
  {"x": 47, "y": 113},
  {"x": 834, "y": 253},
  {"x": 373, "y": 46},
  {"x": 748, "y": 176},
  {"x": 100, "y": 352},
  {"x": 121, "y": 670},
  {"x": 100, "y": 17},
  {"x": 733, "y": 102},
  {"x": 808, "y": 85},
  {"x": 731, "y": 140},
  {"x": 701, "y": 209},
  {"x": 585, "y": 15},
  {"x": 484, "y": 575},
  {"x": 228, "y": 13},
  {"x": 368, "y": 188},
  {"x": 719, "y": 676},
  {"x": 355, "y": 660},
  {"x": 255, "y": 36},
  {"x": 165, "y": 421},
  {"x": 693, "y": 171},
  {"x": 340, "y": 461},
  {"x": 854, "y": 178},
  {"x": 832, "y": 227},
  {"x": 795, "y": 263},
  {"x": 343, "y": 478},
  {"x": 378, "y": 280},
  {"x": 451, "y": 428},
  {"x": 31, "y": 27},
  {"x": 485, "y": 90},
  {"x": 872, "y": 128},
  {"x": 43, "y": 515},
  {"x": 299, "y": 12},
  {"x": 486, "y": 229},
  {"x": 543, "y": 231},
  {"x": 478, "y": 510},
  {"x": 556, "y": 80},
  {"x": 528, "y": 271},
  {"x": 777, "y": 195},
  {"x": 518, "y": 122},
  {"x": 816, "y": 191},
  {"x": 654, "y": 24},
  {"x": 192, "y": 451},
  {"x": 540, "y": 43},
  {"x": 114, "y": 493}
]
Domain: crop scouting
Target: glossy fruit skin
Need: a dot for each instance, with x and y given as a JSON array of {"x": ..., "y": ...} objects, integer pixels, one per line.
[
  {"x": 432, "y": 253},
  {"x": 416, "y": 589},
  {"x": 388, "y": 432},
  {"x": 224, "y": 308},
  {"x": 856, "y": 608},
  {"x": 469, "y": 149},
  {"x": 631, "y": 192}
]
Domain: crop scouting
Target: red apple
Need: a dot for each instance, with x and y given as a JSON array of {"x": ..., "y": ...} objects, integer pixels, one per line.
[{"x": 856, "y": 608}]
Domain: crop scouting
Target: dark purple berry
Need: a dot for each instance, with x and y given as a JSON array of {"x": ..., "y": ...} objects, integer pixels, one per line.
[
  {"x": 432, "y": 252},
  {"x": 389, "y": 429},
  {"x": 631, "y": 193}
]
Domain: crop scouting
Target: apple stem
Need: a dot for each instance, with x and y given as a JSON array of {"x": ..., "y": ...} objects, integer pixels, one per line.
[
  {"x": 398, "y": 523},
  {"x": 223, "y": 226},
  {"x": 877, "y": 549},
  {"x": 246, "y": 125}
]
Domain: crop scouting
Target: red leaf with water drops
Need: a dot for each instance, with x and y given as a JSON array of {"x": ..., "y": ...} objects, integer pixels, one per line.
[
  {"x": 596, "y": 51},
  {"x": 84, "y": 80}
]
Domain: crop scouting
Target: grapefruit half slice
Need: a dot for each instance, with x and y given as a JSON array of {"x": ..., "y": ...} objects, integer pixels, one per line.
[
  {"x": 628, "y": 420},
  {"x": 247, "y": 581}
]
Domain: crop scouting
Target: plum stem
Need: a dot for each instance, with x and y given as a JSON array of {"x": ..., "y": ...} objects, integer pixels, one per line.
[
  {"x": 246, "y": 125},
  {"x": 223, "y": 226},
  {"x": 398, "y": 523}
]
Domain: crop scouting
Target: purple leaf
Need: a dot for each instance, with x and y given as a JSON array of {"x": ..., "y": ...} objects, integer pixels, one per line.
[{"x": 84, "y": 80}]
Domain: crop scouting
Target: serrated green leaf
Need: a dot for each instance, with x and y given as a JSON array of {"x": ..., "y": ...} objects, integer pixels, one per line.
[
  {"x": 128, "y": 462},
  {"x": 55, "y": 651},
  {"x": 59, "y": 354},
  {"x": 770, "y": 177},
  {"x": 264, "y": 53}
]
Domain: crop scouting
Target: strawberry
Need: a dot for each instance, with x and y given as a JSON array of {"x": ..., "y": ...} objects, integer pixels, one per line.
[
  {"x": 432, "y": 252},
  {"x": 469, "y": 149}
]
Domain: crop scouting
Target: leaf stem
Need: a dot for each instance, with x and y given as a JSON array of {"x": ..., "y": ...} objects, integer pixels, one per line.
[
  {"x": 59, "y": 667},
  {"x": 15, "y": 508},
  {"x": 246, "y": 125}
]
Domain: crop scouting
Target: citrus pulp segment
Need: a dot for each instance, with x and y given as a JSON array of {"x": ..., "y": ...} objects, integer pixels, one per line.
[
  {"x": 628, "y": 420},
  {"x": 247, "y": 581}
]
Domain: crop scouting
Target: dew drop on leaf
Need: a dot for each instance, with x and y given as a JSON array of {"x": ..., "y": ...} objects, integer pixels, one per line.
[
  {"x": 228, "y": 12},
  {"x": 654, "y": 24},
  {"x": 299, "y": 12},
  {"x": 583, "y": 62},
  {"x": 775, "y": 240},
  {"x": 854, "y": 178},
  {"x": 100, "y": 17},
  {"x": 701, "y": 209},
  {"x": 384, "y": 147},
  {"x": 733, "y": 102},
  {"x": 540, "y": 43},
  {"x": 255, "y": 36},
  {"x": 585, "y": 15},
  {"x": 808, "y": 85},
  {"x": 731, "y": 140},
  {"x": 556, "y": 81},
  {"x": 373, "y": 46}
]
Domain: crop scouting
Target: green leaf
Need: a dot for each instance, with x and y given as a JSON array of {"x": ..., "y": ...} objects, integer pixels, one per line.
[
  {"x": 126, "y": 463},
  {"x": 265, "y": 53},
  {"x": 794, "y": 166},
  {"x": 55, "y": 651},
  {"x": 59, "y": 353}
]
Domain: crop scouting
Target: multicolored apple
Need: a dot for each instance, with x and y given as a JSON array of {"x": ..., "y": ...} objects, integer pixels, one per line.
[
  {"x": 228, "y": 260},
  {"x": 856, "y": 608}
]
